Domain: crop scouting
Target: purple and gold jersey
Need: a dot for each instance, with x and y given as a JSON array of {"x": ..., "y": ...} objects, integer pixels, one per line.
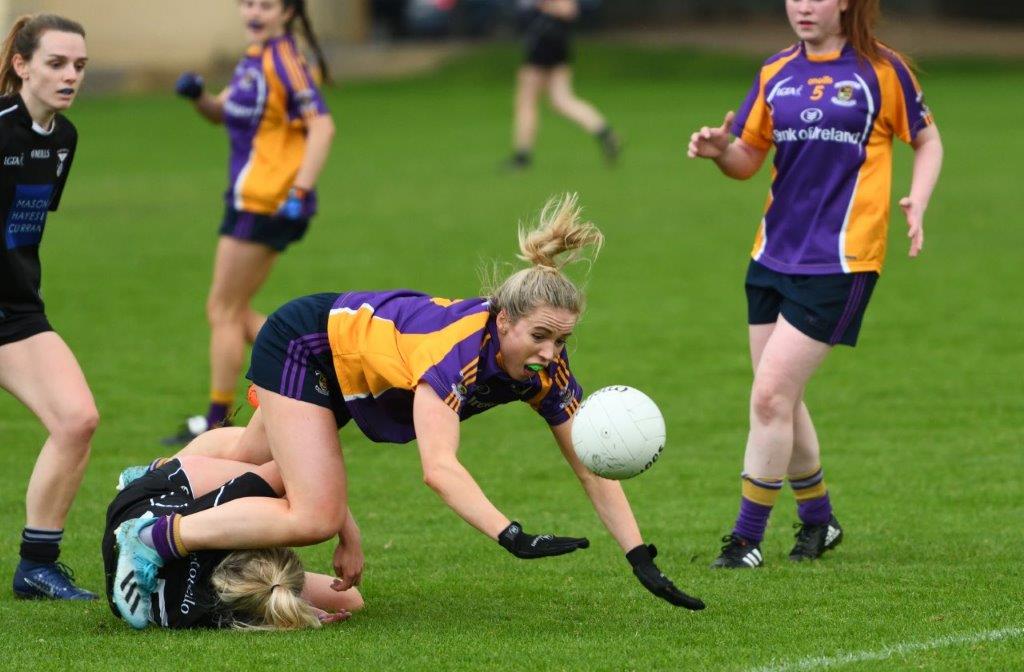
[
  {"x": 832, "y": 119},
  {"x": 271, "y": 96},
  {"x": 385, "y": 343}
]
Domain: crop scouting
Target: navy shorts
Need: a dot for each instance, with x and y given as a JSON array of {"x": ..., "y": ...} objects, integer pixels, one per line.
[
  {"x": 292, "y": 355},
  {"x": 828, "y": 308},
  {"x": 547, "y": 43},
  {"x": 274, "y": 231},
  {"x": 16, "y": 327}
]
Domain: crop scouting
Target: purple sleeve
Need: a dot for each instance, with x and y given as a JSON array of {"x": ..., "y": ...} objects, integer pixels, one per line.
[
  {"x": 911, "y": 97},
  {"x": 752, "y": 122},
  {"x": 304, "y": 98},
  {"x": 742, "y": 114},
  {"x": 562, "y": 399}
]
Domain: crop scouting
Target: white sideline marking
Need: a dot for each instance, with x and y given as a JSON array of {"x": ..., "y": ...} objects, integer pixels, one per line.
[{"x": 820, "y": 662}]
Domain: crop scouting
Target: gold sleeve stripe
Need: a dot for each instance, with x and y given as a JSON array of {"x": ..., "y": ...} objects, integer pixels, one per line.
[
  {"x": 468, "y": 367},
  {"x": 294, "y": 67},
  {"x": 561, "y": 378},
  {"x": 545, "y": 387}
]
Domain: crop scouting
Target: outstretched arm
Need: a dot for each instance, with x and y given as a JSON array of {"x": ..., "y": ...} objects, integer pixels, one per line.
[
  {"x": 614, "y": 510},
  {"x": 606, "y": 495},
  {"x": 437, "y": 432}
]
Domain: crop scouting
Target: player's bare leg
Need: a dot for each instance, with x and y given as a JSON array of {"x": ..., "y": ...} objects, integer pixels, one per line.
[
  {"x": 530, "y": 84},
  {"x": 565, "y": 101},
  {"x": 42, "y": 372}
]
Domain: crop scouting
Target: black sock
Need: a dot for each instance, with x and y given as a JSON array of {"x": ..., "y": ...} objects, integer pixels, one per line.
[
  {"x": 40, "y": 546},
  {"x": 522, "y": 157},
  {"x": 604, "y": 133}
]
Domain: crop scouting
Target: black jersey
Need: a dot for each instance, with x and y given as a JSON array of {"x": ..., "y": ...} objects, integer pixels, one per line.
[
  {"x": 184, "y": 597},
  {"x": 34, "y": 166}
]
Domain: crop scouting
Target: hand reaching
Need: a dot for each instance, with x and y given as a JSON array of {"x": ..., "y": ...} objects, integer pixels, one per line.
[
  {"x": 529, "y": 546},
  {"x": 642, "y": 560},
  {"x": 710, "y": 143}
]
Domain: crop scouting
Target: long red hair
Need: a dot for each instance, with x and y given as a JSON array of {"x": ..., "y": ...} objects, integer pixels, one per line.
[{"x": 858, "y": 23}]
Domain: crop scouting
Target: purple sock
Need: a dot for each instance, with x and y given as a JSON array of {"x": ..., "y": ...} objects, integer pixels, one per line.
[
  {"x": 216, "y": 414},
  {"x": 752, "y": 521},
  {"x": 164, "y": 543},
  {"x": 817, "y": 511}
]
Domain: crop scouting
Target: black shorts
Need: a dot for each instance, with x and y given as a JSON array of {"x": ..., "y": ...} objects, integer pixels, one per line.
[
  {"x": 274, "y": 231},
  {"x": 292, "y": 355},
  {"x": 162, "y": 491},
  {"x": 16, "y": 327},
  {"x": 547, "y": 42},
  {"x": 828, "y": 308}
]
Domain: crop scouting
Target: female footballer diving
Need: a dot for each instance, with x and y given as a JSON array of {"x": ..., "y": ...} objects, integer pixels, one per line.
[
  {"x": 280, "y": 133},
  {"x": 831, "y": 106},
  {"x": 404, "y": 365}
]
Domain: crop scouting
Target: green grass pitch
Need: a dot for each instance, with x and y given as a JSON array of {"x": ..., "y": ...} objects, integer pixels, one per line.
[{"x": 921, "y": 425}]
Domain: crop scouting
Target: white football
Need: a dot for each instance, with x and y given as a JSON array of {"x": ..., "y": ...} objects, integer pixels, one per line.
[{"x": 618, "y": 432}]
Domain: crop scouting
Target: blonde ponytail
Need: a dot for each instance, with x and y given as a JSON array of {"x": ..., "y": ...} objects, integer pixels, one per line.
[
  {"x": 557, "y": 241},
  {"x": 262, "y": 590}
]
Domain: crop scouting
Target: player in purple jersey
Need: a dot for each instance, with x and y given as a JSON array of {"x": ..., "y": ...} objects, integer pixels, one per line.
[
  {"x": 831, "y": 106},
  {"x": 406, "y": 365},
  {"x": 547, "y": 31},
  {"x": 41, "y": 71},
  {"x": 280, "y": 133}
]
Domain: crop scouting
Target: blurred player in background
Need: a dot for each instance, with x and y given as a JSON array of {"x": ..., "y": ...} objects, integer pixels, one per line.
[
  {"x": 41, "y": 71},
  {"x": 264, "y": 589},
  {"x": 831, "y": 105},
  {"x": 547, "y": 68},
  {"x": 407, "y": 366},
  {"x": 280, "y": 133}
]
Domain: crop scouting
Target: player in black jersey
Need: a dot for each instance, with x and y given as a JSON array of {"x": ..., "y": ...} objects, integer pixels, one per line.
[
  {"x": 41, "y": 70},
  {"x": 262, "y": 589},
  {"x": 547, "y": 29}
]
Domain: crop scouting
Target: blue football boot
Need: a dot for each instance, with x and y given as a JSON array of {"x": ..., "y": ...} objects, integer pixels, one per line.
[
  {"x": 135, "y": 577},
  {"x": 49, "y": 581},
  {"x": 129, "y": 475}
]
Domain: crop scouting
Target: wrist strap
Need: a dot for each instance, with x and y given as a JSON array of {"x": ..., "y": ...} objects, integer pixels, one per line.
[
  {"x": 643, "y": 554},
  {"x": 507, "y": 537}
]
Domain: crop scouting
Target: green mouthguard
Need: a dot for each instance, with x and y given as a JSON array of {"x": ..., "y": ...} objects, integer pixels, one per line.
[{"x": 536, "y": 368}]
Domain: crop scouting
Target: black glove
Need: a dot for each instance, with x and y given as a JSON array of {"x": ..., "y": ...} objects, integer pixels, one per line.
[
  {"x": 529, "y": 546},
  {"x": 189, "y": 85},
  {"x": 642, "y": 560}
]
